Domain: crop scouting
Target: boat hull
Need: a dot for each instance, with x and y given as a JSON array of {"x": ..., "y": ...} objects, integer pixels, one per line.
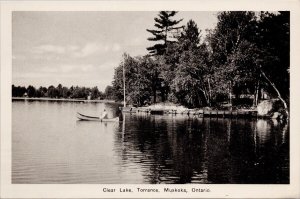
[{"x": 92, "y": 118}]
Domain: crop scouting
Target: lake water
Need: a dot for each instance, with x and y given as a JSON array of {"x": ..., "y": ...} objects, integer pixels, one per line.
[{"x": 49, "y": 145}]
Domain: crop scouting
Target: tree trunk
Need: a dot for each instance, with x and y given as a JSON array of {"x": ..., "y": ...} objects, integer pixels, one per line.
[
  {"x": 277, "y": 91},
  {"x": 204, "y": 95},
  {"x": 229, "y": 92},
  {"x": 162, "y": 94},
  {"x": 209, "y": 93},
  {"x": 256, "y": 94},
  {"x": 154, "y": 95}
]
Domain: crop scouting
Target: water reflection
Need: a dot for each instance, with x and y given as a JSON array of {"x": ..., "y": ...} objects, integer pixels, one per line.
[
  {"x": 49, "y": 145},
  {"x": 193, "y": 150}
]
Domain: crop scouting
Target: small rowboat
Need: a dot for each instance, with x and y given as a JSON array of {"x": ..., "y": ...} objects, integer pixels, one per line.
[{"x": 92, "y": 118}]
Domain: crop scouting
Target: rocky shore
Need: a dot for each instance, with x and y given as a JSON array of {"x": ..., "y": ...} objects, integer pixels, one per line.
[{"x": 266, "y": 109}]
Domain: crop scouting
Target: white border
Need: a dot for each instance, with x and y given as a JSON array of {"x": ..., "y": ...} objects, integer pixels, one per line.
[{"x": 9, "y": 190}]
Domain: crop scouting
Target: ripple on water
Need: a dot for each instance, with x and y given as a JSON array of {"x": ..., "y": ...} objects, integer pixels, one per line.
[{"x": 50, "y": 146}]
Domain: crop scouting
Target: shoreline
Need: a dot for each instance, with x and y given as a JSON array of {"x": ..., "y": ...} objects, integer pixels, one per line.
[
  {"x": 169, "y": 108},
  {"x": 240, "y": 113},
  {"x": 63, "y": 100},
  {"x": 174, "y": 109}
]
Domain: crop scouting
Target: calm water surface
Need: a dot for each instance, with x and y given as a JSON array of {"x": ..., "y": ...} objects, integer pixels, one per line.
[{"x": 51, "y": 146}]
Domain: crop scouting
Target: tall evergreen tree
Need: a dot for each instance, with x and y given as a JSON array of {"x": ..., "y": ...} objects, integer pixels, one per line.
[
  {"x": 190, "y": 82},
  {"x": 190, "y": 37},
  {"x": 165, "y": 26}
]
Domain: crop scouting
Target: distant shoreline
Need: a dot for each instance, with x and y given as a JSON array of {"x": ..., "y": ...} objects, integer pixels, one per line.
[{"x": 63, "y": 100}]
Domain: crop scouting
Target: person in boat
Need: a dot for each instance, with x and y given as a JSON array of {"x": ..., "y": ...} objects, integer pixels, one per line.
[{"x": 104, "y": 115}]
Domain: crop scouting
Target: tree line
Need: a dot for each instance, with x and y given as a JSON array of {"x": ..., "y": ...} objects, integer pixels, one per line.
[
  {"x": 61, "y": 91},
  {"x": 245, "y": 54}
]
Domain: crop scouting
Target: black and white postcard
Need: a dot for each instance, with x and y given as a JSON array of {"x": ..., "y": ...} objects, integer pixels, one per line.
[{"x": 150, "y": 99}]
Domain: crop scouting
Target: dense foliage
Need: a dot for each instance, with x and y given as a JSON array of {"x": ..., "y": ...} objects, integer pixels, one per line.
[
  {"x": 62, "y": 92},
  {"x": 246, "y": 54}
]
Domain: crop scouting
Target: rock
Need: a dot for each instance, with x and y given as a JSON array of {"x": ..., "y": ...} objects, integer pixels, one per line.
[
  {"x": 264, "y": 107},
  {"x": 276, "y": 115},
  {"x": 268, "y": 107},
  {"x": 207, "y": 108}
]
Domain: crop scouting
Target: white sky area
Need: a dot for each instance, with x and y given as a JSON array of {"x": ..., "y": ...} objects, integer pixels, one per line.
[{"x": 82, "y": 48}]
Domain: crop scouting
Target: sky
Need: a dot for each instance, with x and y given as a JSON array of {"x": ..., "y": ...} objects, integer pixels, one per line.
[{"x": 82, "y": 48}]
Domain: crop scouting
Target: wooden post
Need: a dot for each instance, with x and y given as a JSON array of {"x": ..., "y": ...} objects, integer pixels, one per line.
[{"x": 124, "y": 86}]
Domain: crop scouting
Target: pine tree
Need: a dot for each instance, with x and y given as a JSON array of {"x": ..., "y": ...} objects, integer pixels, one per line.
[
  {"x": 191, "y": 74},
  {"x": 165, "y": 26},
  {"x": 190, "y": 37}
]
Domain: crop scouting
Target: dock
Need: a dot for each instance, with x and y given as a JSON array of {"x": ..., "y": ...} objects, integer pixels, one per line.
[{"x": 194, "y": 112}]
